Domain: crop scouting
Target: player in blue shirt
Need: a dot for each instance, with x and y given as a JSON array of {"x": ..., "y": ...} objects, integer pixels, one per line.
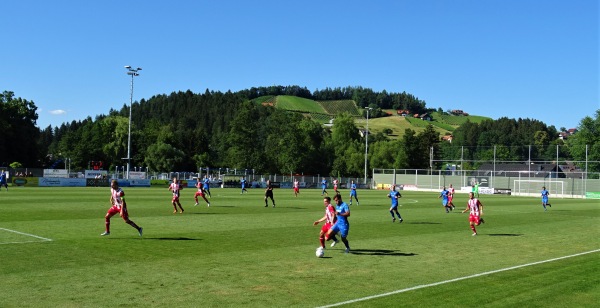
[
  {"x": 206, "y": 187},
  {"x": 324, "y": 187},
  {"x": 395, "y": 195},
  {"x": 342, "y": 212},
  {"x": 444, "y": 195},
  {"x": 243, "y": 183},
  {"x": 3, "y": 180},
  {"x": 545, "y": 195},
  {"x": 353, "y": 193}
]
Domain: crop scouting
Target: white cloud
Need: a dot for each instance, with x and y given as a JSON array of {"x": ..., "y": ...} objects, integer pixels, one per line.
[{"x": 58, "y": 112}]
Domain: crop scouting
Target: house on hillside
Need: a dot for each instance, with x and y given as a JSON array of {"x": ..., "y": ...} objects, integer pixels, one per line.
[
  {"x": 447, "y": 138},
  {"x": 523, "y": 170},
  {"x": 402, "y": 112},
  {"x": 363, "y": 132},
  {"x": 458, "y": 112},
  {"x": 423, "y": 116},
  {"x": 566, "y": 134}
]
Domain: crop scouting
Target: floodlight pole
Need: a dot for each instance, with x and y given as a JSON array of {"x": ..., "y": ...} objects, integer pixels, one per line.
[
  {"x": 367, "y": 142},
  {"x": 132, "y": 72}
]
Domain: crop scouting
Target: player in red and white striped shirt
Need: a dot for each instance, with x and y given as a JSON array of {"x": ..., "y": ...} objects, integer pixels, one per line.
[
  {"x": 296, "y": 187},
  {"x": 329, "y": 219},
  {"x": 475, "y": 209},
  {"x": 119, "y": 206},
  {"x": 451, "y": 196},
  {"x": 175, "y": 187}
]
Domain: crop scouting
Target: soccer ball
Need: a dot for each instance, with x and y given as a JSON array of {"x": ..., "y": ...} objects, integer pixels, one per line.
[{"x": 320, "y": 252}]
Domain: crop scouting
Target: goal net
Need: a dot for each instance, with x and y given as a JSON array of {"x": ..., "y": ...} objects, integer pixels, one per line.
[{"x": 534, "y": 187}]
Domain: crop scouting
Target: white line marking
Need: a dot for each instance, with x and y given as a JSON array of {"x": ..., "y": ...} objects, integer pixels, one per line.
[
  {"x": 26, "y": 234},
  {"x": 455, "y": 279}
]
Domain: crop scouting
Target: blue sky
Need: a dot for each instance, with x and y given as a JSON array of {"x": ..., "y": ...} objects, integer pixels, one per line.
[{"x": 497, "y": 58}]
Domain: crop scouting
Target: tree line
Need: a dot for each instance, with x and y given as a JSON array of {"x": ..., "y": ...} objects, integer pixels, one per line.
[{"x": 185, "y": 131}]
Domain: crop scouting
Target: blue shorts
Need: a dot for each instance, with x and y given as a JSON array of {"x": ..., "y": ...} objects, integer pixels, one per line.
[
  {"x": 341, "y": 228},
  {"x": 544, "y": 200},
  {"x": 444, "y": 202},
  {"x": 353, "y": 193}
]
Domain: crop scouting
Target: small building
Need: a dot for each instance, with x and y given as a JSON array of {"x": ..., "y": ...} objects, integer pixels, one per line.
[{"x": 402, "y": 112}]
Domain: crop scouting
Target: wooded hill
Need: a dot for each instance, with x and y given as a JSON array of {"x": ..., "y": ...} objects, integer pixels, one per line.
[
  {"x": 386, "y": 121},
  {"x": 254, "y": 129}
]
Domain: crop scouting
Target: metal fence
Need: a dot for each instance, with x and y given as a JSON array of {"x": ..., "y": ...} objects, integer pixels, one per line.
[{"x": 576, "y": 185}]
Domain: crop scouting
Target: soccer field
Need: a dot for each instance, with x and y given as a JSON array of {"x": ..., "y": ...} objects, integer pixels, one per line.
[{"x": 240, "y": 253}]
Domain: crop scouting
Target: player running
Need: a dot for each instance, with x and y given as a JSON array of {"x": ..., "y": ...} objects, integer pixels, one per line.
[
  {"x": 269, "y": 194},
  {"x": 243, "y": 182},
  {"x": 296, "y": 187},
  {"x": 324, "y": 187},
  {"x": 206, "y": 186},
  {"x": 451, "y": 196},
  {"x": 329, "y": 219},
  {"x": 117, "y": 199},
  {"x": 200, "y": 193},
  {"x": 395, "y": 195},
  {"x": 444, "y": 195},
  {"x": 545, "y": 195},
  {"x": 341, "y": 225},
  {"x": 335, "y": 186},
  {"x": 175, "y": 187},
  {"x": 476, "y": 211},
  {"x": 353, "y": 193}
]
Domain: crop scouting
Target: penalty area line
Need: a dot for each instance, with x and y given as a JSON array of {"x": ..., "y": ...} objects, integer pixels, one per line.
[
  {"x": 456, "y": 279},
  {"x": 26, "y": 234}
]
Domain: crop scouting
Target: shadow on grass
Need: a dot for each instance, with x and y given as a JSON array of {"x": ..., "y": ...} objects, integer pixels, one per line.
[
  {"x": 505, "y": 234},
  {"x": 381, "y": 252},
  {"x": 422, "y": 223},
  {"x": 173, "y": 239}
]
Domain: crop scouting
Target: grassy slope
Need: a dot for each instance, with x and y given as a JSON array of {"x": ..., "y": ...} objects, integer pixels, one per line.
[
  {"x": 298, "y": 104},
  {"x": 443, "y": 124}
]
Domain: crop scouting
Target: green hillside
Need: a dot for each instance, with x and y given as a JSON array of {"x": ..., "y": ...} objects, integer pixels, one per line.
[
  {"x": 324, "y": 111},
  {"x": 294, "y": 103},
  {"x": 341, "y": 106}
]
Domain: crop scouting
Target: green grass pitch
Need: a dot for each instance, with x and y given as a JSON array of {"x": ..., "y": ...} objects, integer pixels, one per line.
[{"x": 239, "y": 253}]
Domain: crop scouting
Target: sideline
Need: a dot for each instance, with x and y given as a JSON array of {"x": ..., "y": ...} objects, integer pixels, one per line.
[
  {"x": 456, "y": 279},
  {"x": 26, "y": 234}
]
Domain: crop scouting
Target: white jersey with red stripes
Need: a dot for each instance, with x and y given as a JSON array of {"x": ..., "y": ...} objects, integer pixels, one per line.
[
  {"x": 330, "y": 214},
  {"x": 175, "y": 188},
  {"x": 474, "y": 206},
  {"x": 117, "y": 195}
]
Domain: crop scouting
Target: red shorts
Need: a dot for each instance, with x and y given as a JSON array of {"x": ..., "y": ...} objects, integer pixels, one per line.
[
  {"x": 198, "y": 193},
  {"x": 116, "y": 210},
  {"x": 296, "y": 189},
  {"x": 175, "y": 199},
  {"x": 450, "y": 198},
  {"x": 334, "y": 187},
  {"x": 326, "y": 228},
  {"x": 474, "y": 218}
]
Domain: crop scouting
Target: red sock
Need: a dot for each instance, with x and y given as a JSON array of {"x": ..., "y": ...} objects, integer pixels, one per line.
[
  {"x": 473, "y": 228},
  {"x": 322, "y": 240}
]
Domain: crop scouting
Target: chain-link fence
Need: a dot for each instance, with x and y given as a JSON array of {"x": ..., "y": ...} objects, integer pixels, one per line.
[{"x": 528, "y": 183}]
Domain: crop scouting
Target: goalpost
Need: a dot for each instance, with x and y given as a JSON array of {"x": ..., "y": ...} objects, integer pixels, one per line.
[{"x": 534, "y": 187}]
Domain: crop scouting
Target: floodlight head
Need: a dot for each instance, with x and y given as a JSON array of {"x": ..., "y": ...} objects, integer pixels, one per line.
[
  {"x": 127, "y": 66},
  {"x": 139, "y": 68}
]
